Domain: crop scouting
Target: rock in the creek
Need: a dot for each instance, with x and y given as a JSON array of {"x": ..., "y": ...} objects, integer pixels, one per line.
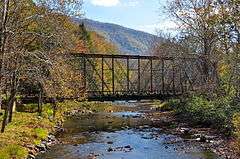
[
  {"x": 110, "y": 149},
  {"x": 109, "y": 142},
  {"x": 127, "y": 147},
  {"x": 201, "y": 139},
  {"x": 136, "y": 116},
  {"x": 144, "y": 127},
  {"x": 41, "y": 147},
  {"x": 185, "y": 130},
  {"x": 30, "y": 156},
  {"x": 51, "y": 138}
]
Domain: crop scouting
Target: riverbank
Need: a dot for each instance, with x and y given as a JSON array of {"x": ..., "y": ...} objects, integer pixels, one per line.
[
  {"x": 207, "y": 135},
  {"x": 208, "y": 138},
  {"x": 30, "y": 133}
]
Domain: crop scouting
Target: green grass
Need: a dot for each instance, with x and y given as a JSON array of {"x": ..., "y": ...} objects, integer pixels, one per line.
[
  {"x": 13, "y": 151},
  {"x": 21, "y": 132},
  {"x": 236, "y": 122}
]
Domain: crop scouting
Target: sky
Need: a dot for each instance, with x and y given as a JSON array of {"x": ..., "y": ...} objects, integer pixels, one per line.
[{"x": 144, "y": 15}]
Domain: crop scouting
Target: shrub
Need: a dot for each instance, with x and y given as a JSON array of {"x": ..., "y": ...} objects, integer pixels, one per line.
[
  {"x": 13, "y": 151},
  {"x": 201, "y": 111},
  {"x": 30, "y": 108},
  {"x": 173, "y": 104},
  {"x": 236, "y": 123},
  {"x": 41, "y": 133}
]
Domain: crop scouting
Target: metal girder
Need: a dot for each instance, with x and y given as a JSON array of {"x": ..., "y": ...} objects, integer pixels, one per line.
[{"x": 168, "y": 76}]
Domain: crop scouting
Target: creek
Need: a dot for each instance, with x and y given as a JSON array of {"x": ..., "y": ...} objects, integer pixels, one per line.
[{"x": 125, "y": 134}]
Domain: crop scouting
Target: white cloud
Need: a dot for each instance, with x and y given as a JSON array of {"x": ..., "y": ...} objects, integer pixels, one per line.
[
  {"x": 166, "y": 26},
  {"x": 105, "y": 3},
  {"x": 131, "y": 3}
]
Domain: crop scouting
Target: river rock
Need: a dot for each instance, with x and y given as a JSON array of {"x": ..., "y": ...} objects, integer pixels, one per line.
[
  {"x": 30, "y": 156},
  {"x": 127, "y": 147},
  {"x": 109, "y": 142},
  {"x": 41, "y": 147},
  {"x": 110, "y": 149},
  {"x": 185, "y": 130},
  {"x": 201, "y": 139},
  {"x": 144, "y": 127},
  {"x": 51, "y": 138}
]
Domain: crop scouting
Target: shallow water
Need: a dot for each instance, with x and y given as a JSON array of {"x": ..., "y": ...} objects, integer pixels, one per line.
[{"x": 121, "y": 135}]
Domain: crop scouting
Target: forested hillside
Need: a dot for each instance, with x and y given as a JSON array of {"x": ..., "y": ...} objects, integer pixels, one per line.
[{"x": 127, "y": 40}]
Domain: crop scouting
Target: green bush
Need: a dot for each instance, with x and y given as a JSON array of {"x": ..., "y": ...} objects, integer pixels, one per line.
[
  {"x": 13, "y": 151},
  {"x": 201, "y": 111},
  {"x": 236, "y": 123},
  {"x": 174, "y": 104},
  {"x": 30, "y": 108},
  {"x": 41, "y": 133}
]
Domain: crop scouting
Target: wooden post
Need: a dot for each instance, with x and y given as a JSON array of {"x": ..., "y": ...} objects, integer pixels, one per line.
[
  {"x": 139, "y": 75},
  {"x": 102, "y": 76},
  {"x": 163, "y": 85},
  {"x": 113, "y": 81}
]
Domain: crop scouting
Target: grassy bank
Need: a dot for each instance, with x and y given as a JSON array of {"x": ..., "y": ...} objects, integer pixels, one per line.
[{"x": 29, "y": 129}]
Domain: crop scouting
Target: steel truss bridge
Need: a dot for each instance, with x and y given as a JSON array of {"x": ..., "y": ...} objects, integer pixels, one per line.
[{"x": 130, "y": 77}]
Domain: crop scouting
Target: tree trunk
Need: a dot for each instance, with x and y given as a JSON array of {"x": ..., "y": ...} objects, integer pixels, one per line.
[
  {"x": 54, "y": 106},
  {"x": 12, "y": 98},
  {"x": 40, "y": 103},
  {"x": 4, "y": 122},
  {"x": 12, "y": 102},
  {"x": 3, "y": 37},
  {"x": 1, "y": 103},
  {"x": 8, "y": 112}
]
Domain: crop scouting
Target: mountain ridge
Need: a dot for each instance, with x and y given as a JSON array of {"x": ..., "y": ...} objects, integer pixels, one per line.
[{"x": 129, "y": 41}]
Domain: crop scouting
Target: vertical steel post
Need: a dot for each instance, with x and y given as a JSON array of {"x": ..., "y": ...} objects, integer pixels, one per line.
[
  {"x": 84, "y": 74},
  {"x": 163, "y": 82},
  {"x": 181, "y": 82},
  {"x": 128, "y": 89},
  {"x": 151, "y": 75},
  {"x": 139, "y": 75},
  {"x": 173, "y": 69},
  {"x": 113, "y": 81},
  {"x": 102, "y": 76}
]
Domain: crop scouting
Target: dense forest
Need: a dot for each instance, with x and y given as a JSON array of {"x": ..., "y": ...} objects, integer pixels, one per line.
[{"x": 38, "y": 37}]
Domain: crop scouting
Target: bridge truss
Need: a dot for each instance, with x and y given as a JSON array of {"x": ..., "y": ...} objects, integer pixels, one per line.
[{"x": 113, "y": 77}]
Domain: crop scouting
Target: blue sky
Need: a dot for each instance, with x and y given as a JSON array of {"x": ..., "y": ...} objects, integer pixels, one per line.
[{"x": 145, "y": 15}]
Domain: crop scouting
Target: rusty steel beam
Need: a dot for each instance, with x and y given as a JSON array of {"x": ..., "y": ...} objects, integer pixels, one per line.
[
  {"x": 113, "y": 75},
  {"x": 93, "y": 55}
]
